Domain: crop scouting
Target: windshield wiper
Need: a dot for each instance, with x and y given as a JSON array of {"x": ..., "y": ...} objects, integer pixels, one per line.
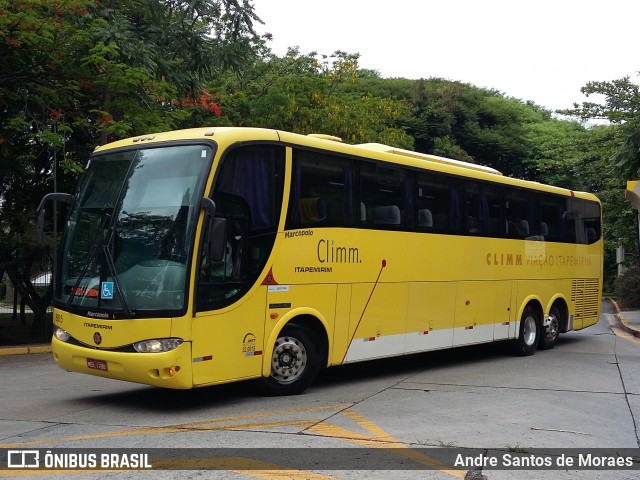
[
  {"x": 85, "y": 267},
  {"x": 110, "y": 265},
  {"x": 114, "y": 276}
]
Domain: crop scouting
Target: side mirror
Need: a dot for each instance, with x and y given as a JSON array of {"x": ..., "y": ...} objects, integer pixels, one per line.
[
  {"x": 208, "y": 205},
  {"x": 216, "y": 231},
  {"x": 49, "y": 197},
  {"x": 217, "y": 239}
]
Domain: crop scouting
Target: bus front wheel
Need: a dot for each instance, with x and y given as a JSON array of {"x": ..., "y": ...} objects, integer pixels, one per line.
[
  {"x": 527, "y": 341},
  {"x": 295, "y": 362}
]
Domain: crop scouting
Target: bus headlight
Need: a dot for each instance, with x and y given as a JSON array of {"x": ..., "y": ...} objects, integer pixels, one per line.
[
  {"x": 61, "y": 334},
  {"x": 157, "y": 345}
]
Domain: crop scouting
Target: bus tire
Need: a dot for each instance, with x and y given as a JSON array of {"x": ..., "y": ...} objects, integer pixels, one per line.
[
  {"x": 295, "y": 362},
  {"x": 529, "y": 336},
  {"x": 549, "y": 334}
]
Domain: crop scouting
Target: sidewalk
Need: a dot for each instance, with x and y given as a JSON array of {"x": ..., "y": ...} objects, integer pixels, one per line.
[
  {"x": 628, "y": 320},
  {"x": 25, "y": 349},
  {"x": 20, "y": 337}
]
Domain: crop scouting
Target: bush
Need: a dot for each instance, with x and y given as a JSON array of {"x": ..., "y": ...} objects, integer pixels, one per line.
[{"x": 627, "y": 288}]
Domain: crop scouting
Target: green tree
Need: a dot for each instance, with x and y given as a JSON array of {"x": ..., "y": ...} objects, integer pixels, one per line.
[
  {"x": 473, "y": 124},
  {"x": 311, "y": 94},
  {"x": 76, "y": 73},
  {"x": 620, "y": 106}
]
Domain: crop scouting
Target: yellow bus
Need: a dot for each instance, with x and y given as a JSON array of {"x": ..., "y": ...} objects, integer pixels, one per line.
[{"x": 205, "y": 256}]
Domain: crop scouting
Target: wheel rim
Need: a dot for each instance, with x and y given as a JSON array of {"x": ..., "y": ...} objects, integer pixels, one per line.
[
  {"x": 530, "y": 330},
  {"x": 553, "y": 328},
  {"x": 288, "y": 360}
]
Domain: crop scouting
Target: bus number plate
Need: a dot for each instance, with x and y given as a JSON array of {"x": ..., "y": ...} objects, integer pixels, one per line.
[{"x": 97, "y": 364}]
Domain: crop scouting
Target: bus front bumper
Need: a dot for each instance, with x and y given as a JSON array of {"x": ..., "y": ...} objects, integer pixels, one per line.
[{"x": 167, "y": 369}]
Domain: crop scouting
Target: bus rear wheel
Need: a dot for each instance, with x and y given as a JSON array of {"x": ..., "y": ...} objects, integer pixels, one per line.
[
  {"x": 529, "y": 337},
  {"x": 295, "y": 362},
  {"x": 551, "y": 331}
]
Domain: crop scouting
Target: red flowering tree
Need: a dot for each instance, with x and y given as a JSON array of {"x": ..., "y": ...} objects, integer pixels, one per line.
[{"x": 77, "y": 73}]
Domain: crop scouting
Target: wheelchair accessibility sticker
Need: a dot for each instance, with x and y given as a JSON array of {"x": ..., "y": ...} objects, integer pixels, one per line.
[{"x": 106, "y": 290}]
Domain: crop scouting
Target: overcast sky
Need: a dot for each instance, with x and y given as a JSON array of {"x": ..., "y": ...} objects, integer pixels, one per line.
[{"x": 543, "y": 50}]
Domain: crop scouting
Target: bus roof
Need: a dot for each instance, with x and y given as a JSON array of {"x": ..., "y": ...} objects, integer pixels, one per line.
[
  {"x": 228, "y": 135},
  {"x": 379, "y": 147}
]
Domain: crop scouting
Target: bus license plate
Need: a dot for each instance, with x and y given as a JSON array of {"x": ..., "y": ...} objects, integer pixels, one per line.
[{"x": 97, "y": 364}]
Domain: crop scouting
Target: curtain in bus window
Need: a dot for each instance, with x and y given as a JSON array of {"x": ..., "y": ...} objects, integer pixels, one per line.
[
  {"x": 454, "y": 208},
  {"x": 562, "y": 212},
  {"x": 476, "y": 209},
  {"x": 348, "y": 201},
  {"x": 483, "y": 212},
  {"x": 571, "y": 220},
  {"x": 518, "y": 214},
  {"x": 409, "y": 201},
  {"x": 246, "y": 174},
  {"x": 294, "y": 201},
  {"x": 532, "y": 216}
]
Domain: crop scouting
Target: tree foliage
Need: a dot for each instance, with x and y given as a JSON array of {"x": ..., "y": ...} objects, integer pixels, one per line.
[
  {"x": 620, "y": 106},
  {"x": 78, "y": 73},
  {"x": 618, "y": 155},
  {"x": 311, "y": 94}
]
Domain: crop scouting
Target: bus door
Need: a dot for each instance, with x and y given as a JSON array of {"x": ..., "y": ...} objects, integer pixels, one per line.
[
  {"x": 228, "y": 328},
  {"x": 230, "y": 302}
]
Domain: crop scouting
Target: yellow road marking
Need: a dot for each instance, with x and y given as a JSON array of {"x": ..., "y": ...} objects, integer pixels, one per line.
[
  {"x": 164, "y": 430},
  {"x": 34, "y": 472},
  {"x": 378, "y": 438},
  {"x": 245, "y": 466},
  {"x": 382, "y": 439},
  {"x": 194, "y": 426},
  {"x": 371, "y": 427}
]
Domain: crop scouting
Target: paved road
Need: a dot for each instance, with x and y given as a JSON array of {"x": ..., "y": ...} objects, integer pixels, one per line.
[{"x": 583, "y": 394}]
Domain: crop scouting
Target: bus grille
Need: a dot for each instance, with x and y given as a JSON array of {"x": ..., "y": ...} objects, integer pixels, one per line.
[{"x": 586, "y": 294}]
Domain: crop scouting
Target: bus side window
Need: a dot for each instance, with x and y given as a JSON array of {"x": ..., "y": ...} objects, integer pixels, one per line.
[
  {"x": 583, "y": 221},
  {"x": 482, "y": 209},
  {"x": 551, "y": 213},
  {"x": 386, "y": 192},
  {"x": 433, "y": 200},
  {"x": 591, "y": 221},
  {"x": 322, "y": 193},
  {"x": 520, "y": 214}
]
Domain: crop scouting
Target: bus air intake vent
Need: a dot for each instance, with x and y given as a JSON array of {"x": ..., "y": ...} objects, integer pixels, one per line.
[{"x": 585, "y": 294}]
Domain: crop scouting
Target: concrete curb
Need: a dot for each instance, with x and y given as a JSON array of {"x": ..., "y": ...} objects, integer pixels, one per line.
[
  {"x": 25, "y": 349},
  {"x": 622, "y": 323}
]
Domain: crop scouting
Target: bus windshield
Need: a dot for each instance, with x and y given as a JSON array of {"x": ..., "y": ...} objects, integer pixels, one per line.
[{"x": 129, "y": 235}]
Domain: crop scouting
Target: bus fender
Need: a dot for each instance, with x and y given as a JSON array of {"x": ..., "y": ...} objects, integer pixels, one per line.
[
  {"x": 281, "y": 323},
  {"x": 529, "y": 299},
  {"x": 553, "y": 300},
  {"x": 556, "y": 298}
]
